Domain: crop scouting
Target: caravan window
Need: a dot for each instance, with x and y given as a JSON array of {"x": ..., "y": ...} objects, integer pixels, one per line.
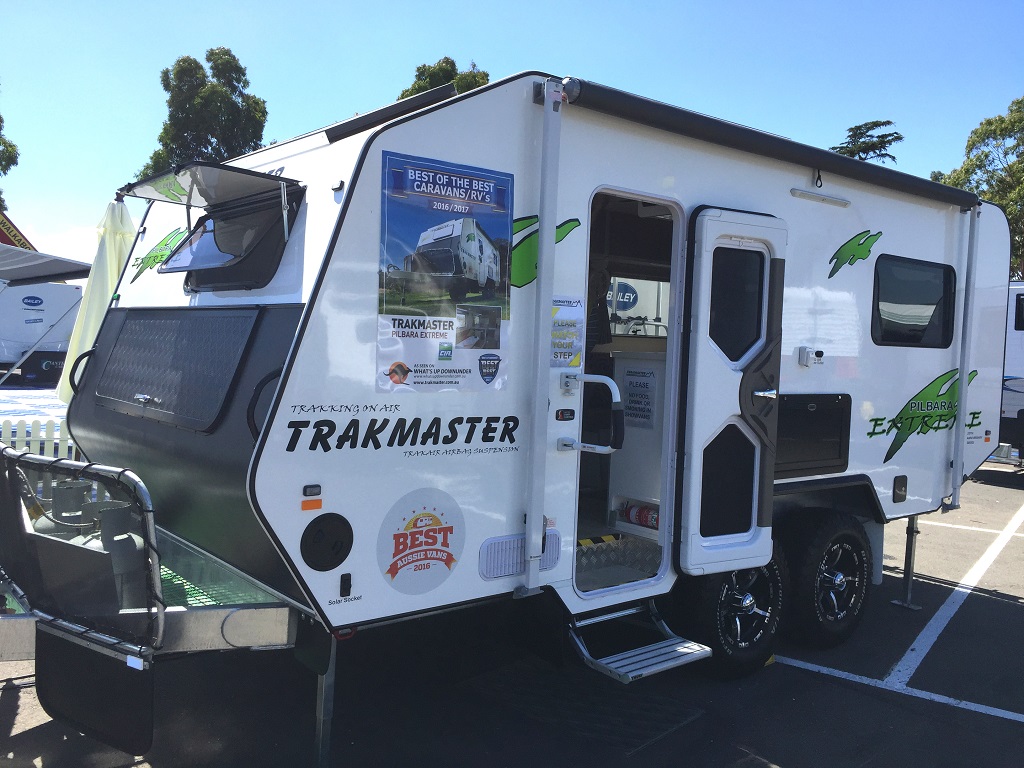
[
  {"x": 1018, "y": 320},
  {"x": 913, "y": 303},
  {"x": 238, "y": 248}
]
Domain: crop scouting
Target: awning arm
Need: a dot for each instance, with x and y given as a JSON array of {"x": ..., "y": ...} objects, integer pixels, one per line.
[
  {"x": 964, "y": 371},
  {"x": 284, "y": 208}
]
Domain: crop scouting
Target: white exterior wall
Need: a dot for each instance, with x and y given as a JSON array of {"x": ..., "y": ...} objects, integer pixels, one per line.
[{"x": 336, "y": 365}]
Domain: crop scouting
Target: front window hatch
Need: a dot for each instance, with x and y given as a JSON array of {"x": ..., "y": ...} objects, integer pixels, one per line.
[
  {"x": 224, "y": 239},
  {"x": 239, "y": 241},
  {"x": 205, "y": 184}
]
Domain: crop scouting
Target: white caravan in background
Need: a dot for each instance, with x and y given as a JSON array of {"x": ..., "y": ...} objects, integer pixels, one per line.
[
  {"x": 35, "y": 326},
  {"x": 1011, "y": 428}
]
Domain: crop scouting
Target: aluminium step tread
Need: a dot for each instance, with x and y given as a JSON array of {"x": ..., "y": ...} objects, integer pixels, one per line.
[{"x": 647, "y": 660}]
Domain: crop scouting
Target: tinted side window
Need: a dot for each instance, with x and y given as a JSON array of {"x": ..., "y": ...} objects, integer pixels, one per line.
[
  {"x": 1018, "y": 320},
  {"x": 913, "y": 303},
  {"x": 737, "y": 280}
]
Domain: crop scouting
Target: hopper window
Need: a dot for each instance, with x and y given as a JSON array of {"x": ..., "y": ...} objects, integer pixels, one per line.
[
  {"x": 238, "y": 242},
  {"x": 235, "y": 249}
]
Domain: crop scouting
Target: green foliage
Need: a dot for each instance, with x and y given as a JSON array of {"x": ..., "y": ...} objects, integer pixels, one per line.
[
  {"x": 863, "y": 143},
  {"x": 445, "y": 71},
  {"x": 993, "y": 169},
  {"x": 209, "y": 116},
  {"x": 8, "y": 159}
]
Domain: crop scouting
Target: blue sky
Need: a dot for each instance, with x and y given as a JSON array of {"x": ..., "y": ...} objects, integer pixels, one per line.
[{"x": 80, "y": 82}]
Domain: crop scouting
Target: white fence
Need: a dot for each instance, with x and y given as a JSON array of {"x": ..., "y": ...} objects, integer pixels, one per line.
[{"x": 45, "y": 438}]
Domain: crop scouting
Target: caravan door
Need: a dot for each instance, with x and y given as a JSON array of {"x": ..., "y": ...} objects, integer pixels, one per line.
[{"x": 724, "y": 489}]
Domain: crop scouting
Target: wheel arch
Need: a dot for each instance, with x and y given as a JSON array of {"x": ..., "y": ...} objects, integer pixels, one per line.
[{"x": 853, "y": 495}]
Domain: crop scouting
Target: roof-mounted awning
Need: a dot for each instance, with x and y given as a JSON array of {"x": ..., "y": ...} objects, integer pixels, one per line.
[
  {"x": 22, "y": 267},
  {"x": 206, "y": 184}
]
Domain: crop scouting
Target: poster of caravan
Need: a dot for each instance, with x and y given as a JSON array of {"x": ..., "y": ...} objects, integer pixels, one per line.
[{"x": 443, "y": 306}]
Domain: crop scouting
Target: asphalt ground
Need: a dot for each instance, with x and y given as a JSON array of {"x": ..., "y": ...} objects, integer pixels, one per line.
[{"x": 494, "y": 686}]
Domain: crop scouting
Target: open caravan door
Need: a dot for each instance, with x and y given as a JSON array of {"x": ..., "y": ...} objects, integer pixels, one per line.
[{"x": 725, "y": 489}]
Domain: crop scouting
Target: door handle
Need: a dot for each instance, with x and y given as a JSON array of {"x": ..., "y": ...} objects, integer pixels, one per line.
[
  {"x": 570, "y": 381},
  {"x": 770, "y": 394}
]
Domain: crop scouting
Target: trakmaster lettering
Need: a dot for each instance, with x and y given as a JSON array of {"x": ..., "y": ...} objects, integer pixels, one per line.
[{"x": 324, "y": 435}]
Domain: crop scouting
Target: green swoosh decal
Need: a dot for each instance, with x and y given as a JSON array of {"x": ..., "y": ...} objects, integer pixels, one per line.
[
  {"x": 523, "y": 269},
  {"x": 857, "y": 248}
]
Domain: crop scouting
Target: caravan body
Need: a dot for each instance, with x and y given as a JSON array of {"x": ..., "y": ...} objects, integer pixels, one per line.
[
  {"x": 38, "y": 319},
  {"x": 315, "y": 425},
  {"x": 1012, "y": 421},
  {"x": 456, "y": 256},
  {"x": 875, "y": 270}
]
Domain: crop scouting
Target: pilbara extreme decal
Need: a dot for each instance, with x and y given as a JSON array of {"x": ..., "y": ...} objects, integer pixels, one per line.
[
  {"x": 420, "y": 541},
  {"x": 443, "y": 308},
  {"x": 159, "y": 253},
  {"x": 857, "y": 248},
  {"x": 933, "y": 409}
]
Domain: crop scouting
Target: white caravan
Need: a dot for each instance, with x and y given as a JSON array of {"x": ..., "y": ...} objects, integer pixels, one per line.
[
  {"x": 456, "y": 255},
  {"x": 35, "y": 326},
  {"x": 299, "y": 430},
  {"x": 1012, "y": 422}
]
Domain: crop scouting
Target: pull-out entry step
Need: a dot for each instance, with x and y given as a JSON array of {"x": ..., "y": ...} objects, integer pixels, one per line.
[{"x": 643, "y": 660}]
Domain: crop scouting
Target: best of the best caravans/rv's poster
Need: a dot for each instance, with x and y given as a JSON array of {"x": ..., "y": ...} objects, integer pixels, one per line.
[{"x": 443, "y": 309}]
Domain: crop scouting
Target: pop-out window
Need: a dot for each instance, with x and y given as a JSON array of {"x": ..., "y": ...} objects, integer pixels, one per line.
[
  {"x": 238, "y": 243},
  {"x": 220, "y": 242},
  {"x": 913, "y": 303},
  {"x": 232, "y": 249}
]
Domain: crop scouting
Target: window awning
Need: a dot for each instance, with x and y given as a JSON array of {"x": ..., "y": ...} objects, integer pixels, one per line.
[
  {"x": 21, "y": 267},
  {"x": 204, "y": 184}
]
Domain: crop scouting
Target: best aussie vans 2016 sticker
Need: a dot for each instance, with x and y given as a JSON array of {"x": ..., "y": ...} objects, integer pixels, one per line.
[
  {"x": 158, "y": 253},
  {"x": 420, "y": 541},
  {"x": 857, "y": 248},
  {"x": 933, "y": 409},
  {"x": 443, "y": 293}
]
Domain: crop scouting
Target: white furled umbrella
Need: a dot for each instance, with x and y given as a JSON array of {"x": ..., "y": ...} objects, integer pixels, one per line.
[{"x": 116, "y": 233}]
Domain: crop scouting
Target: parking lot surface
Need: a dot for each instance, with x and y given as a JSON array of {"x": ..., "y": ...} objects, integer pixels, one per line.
[{"x": 493, "y": 686}]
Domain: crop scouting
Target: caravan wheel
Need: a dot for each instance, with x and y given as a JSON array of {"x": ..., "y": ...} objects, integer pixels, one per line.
[
  {"x": 457, "y": 290},
  {"x": 738, "y": 616},
  {"x": 832, "y": 581}
]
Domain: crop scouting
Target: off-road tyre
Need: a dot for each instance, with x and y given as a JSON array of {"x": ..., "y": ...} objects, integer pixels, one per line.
[
  {"x": 738, "y": 614},
  {"x": 832, "y": 567}
]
